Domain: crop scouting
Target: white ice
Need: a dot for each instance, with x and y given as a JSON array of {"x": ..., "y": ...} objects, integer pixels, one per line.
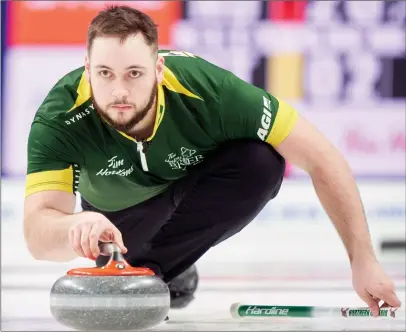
[
  {"x": 241, "y": 278},
  {"x": 28, "y": 308},
  {"x": 25, "y": 306}
]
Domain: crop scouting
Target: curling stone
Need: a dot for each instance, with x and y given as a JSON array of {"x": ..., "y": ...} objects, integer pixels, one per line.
[{"x": 116, "y": 296}]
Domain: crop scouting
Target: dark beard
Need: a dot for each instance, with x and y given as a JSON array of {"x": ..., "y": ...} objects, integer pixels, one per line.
[{"x": 127, "y": 128}]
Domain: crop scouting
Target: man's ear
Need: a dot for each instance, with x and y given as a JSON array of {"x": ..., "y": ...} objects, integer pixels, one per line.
[
  {"x": 160, "y": 66},
  {"x": 87, "y": 68}
]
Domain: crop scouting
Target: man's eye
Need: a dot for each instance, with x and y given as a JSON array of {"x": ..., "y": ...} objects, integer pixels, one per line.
[
  {"x": 134, "y": 74},
  {"x": 104, "y": 73}
]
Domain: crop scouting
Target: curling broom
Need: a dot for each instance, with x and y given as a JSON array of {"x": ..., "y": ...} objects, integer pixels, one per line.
[{"x": 241, "y": 310}]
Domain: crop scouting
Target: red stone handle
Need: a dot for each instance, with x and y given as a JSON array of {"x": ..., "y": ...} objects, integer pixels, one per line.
[{"x": 116, "y": 266}]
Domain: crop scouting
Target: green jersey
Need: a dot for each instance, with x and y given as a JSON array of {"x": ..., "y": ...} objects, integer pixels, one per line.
[{"x": 71, "y": 148}]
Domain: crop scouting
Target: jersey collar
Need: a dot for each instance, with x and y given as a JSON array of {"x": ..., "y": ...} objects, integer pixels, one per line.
[{"x": 159, "y": 115}]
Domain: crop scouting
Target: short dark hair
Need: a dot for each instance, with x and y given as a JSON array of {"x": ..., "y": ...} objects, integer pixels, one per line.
[{"x": 122, "y": 21}]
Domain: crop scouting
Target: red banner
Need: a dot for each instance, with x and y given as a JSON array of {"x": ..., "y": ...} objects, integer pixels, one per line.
[
  {"x": 66, "y": 22},
  {"x": 287, "y": 11}
]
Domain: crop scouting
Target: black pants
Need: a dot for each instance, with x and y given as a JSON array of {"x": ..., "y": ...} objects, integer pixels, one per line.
[{"x": 223, "y": 194}]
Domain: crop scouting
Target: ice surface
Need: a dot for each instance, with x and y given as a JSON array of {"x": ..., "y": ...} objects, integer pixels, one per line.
[
  {"x": 27, "y": 307},
  {"x": 26, "y": 285}
]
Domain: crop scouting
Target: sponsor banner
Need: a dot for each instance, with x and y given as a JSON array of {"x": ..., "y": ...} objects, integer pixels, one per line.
[
  {"x": 360, "y": 48},
  {"x": 372, "y": 140},
  {"x": 66, "y": 22}
]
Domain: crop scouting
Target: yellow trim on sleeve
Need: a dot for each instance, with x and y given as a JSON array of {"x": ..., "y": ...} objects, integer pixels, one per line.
[
  {"x": 49, "y": 180},
  {"x": 283, "y": 125}
]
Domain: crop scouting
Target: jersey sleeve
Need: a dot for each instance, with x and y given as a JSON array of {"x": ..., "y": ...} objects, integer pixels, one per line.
[
  {"x": 250, "y": 112},
  {"x": 53, "y": 160}
]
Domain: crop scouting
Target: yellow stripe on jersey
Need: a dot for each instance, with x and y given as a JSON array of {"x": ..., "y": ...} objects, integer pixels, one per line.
[
  {"x": 49, "y": 180},
  {"x": 283, "y": 125},
  {"x": 159, "y": 112},
  {"x": 83, "y": 92},
  {"x": 172, "y": 83}
]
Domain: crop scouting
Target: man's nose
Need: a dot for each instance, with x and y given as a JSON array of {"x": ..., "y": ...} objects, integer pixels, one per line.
[{"x": 120, "y": 91}]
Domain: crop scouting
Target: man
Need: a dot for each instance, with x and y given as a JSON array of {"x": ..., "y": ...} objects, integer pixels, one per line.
[{"x": 172, "y": 155}]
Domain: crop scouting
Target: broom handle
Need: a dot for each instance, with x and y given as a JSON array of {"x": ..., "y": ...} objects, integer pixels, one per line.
[{"x": 240, "y": 310}]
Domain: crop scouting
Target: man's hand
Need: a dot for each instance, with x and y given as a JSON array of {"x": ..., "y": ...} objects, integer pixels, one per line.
[
  {"x": 373, "y": 285},
  {"x": 84, "y": 236}
]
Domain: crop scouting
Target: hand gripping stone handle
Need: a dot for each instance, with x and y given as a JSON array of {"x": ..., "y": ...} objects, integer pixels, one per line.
[
  {"x": 116, "y": 266},
  {"x": 112, "y": 250}
]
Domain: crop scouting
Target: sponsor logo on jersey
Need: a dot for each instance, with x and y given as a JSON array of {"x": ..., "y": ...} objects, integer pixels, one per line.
[
  {"x": 79, "y": 116},
  {"x": 187, "y": 157},
  {"x": 266, "y": 119},
  {"x": 115, "y": 167}
]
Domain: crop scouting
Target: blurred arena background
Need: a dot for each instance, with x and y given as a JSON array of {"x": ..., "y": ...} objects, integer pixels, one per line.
[{"x": 340, "y": 63}]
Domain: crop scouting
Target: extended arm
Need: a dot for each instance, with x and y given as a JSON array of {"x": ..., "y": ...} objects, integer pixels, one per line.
[
  {"x": 334, "y": 184},
  {"x": 253, "y": 113},
  {"x": 336, "y": 188}
]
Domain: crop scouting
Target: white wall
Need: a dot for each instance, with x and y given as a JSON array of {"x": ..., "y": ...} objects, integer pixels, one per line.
[{"x": 293, "y": 227}]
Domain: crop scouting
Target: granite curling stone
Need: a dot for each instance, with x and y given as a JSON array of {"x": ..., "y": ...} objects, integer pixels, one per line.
[{"x": 116, "y": 296}]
